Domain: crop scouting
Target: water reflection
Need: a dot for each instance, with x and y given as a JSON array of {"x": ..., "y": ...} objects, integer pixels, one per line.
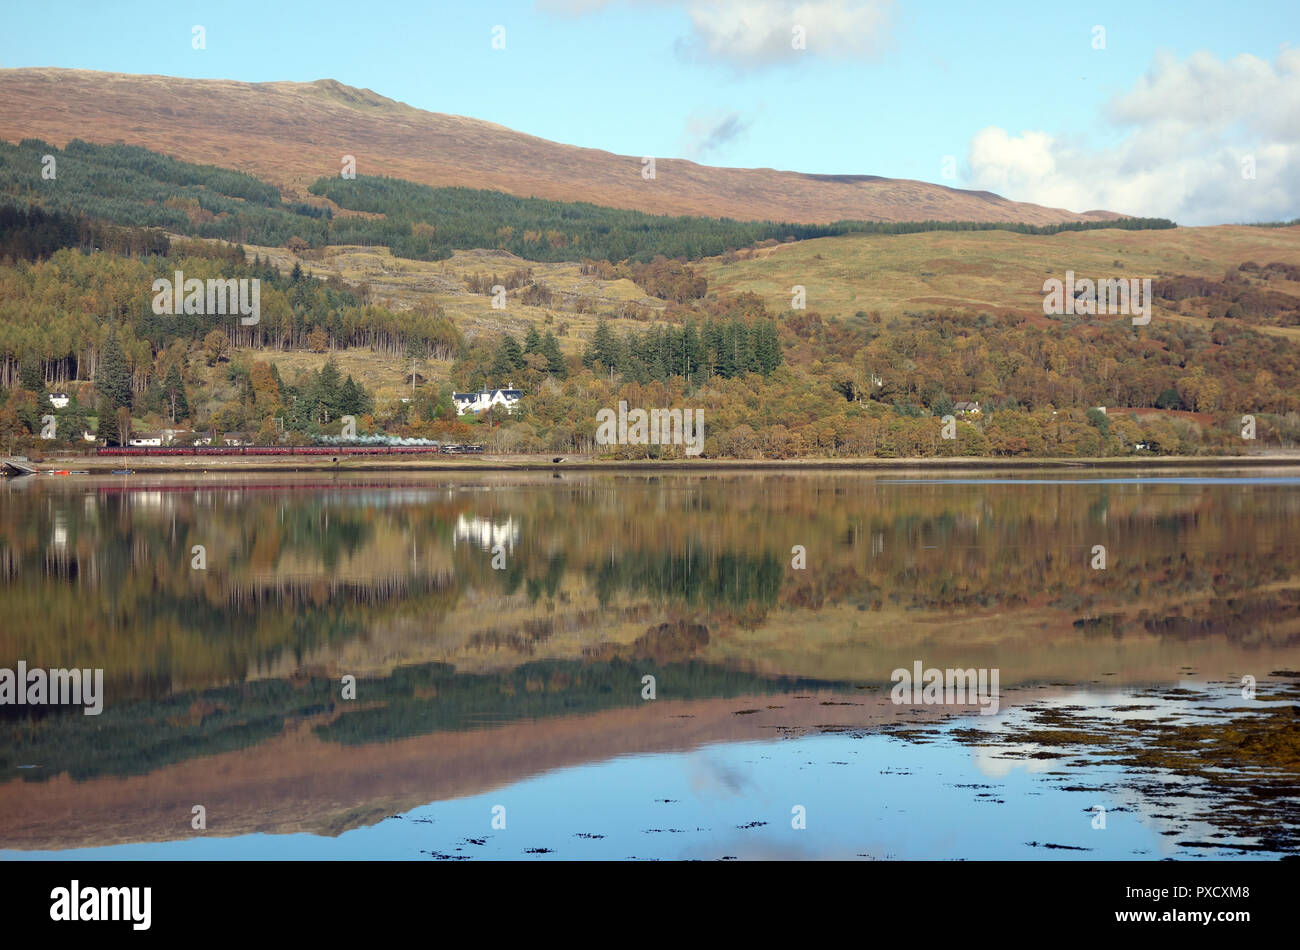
[{"x": 474, "y": 675}]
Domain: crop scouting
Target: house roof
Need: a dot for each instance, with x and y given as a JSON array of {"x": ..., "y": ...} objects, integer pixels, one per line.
[{"x": 487, "y": 392}]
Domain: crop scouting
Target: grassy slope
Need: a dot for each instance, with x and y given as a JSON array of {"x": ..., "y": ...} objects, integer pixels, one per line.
[{"x": 986, "y": 270}]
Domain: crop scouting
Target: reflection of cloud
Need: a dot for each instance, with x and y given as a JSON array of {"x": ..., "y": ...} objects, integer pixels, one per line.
[
  {"x": 704, "y": 135},
  {"x": 708, "y": 776},
  {"x": 1191, "y": 125},
  {"x": 1000, "y": 761}
]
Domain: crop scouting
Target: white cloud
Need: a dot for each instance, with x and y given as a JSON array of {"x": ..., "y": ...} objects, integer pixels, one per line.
[
  {"x": 750, "y": 34},
  {"x": 753, "y": 33},
  {"x": 1189, "y": 125},
  {"x": 571, "y": 7}
]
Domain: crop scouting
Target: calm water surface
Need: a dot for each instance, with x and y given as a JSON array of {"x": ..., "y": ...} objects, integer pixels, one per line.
[{"x": 500, "y": 629}]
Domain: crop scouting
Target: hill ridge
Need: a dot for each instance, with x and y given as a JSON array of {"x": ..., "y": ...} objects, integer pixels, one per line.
[{"x": 291, "y": 133}]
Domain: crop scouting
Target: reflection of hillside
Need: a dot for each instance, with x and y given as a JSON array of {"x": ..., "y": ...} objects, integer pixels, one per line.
[
  {"x": 138, "y": 737},
  {"x": 296, "y": 782}
]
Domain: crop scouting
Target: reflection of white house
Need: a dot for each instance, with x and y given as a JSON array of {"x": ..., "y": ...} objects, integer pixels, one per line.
[
  {"x": 486, "y": 399},
  {"x": 59, "y": 400},
  {"x": 486, "y": 534}
]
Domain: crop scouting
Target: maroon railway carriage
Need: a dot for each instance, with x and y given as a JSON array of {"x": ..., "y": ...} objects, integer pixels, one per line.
[{"x": 332, "y": 450}]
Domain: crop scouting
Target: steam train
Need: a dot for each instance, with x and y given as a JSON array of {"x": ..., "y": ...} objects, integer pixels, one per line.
[{"x": 331, "y": 450}]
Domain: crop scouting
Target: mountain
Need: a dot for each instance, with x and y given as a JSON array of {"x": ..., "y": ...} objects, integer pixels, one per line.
[{"x": 290, "y": 134}]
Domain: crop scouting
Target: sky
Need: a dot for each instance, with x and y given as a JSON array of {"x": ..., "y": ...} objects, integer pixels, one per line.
[{"x": 1189, "y": 111}]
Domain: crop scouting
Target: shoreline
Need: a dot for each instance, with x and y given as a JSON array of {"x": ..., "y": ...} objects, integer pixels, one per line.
[{"x": 536, "y": 463}]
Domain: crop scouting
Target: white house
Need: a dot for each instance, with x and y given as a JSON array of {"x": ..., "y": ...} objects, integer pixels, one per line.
[
  {"x": 967, "y": 408},
  {"x": 145, "y": 440},
  {"x": 59, "y": 400},
  {"x": 486, "y": 399}
]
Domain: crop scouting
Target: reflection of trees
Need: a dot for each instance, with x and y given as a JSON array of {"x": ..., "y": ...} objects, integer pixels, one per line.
[
  {"x": 136, "y": 737},
  {"x": 105, "y": 580},
  {"x": 697, "y": 576},
  {"x": 324, "y": 531}
]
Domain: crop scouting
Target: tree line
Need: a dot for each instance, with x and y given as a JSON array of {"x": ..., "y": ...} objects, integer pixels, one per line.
[{"x": 133, "y": 186}]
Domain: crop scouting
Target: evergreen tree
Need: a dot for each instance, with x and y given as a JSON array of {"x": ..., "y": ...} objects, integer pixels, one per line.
[
  {"x": 72, "y": 421},
  {"x": 686, "y": 356},
  {"x": 329, "y": 387},
  {"x": 113, "y": 377},
  {"x": 767, "y": 346},
  {"x": 29, "y": 374},
  {"x": 532, "y": 341},
  {"x": 510, "y": 347},
  {"x": 555, "y": 364},
  {"x": 501, "y": 367},
  {"x": 604, "y": 348},
  {"x": 107, "y": 429},
  {"x": 353, "y": 398}
]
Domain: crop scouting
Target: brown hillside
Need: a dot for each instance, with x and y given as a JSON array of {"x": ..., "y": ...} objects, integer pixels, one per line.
[{"x": 292, "y": 133}]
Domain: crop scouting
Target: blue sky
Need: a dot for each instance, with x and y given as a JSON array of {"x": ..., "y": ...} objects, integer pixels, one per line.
[{"x": 1015, "y": 93}]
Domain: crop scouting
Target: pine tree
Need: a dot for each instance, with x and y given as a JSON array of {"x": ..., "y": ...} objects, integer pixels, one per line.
[
  {"x": 532, "y": 341},
  {"x": 686, "y": 358},
  {"x": 113, "y": 377},
  {"x": 107, "y": 429},
  {"x": 510, "y": 347},
  {"x": 501, "y": 367},
  {"x": 329, "y": 386},
  {"x": 29, "y": 374},
  {"x": 604, "y": 348},
  {"x": 555, "y": 364},
  {"x": 767, "y": 346},
  {"x": 353, "y": 399}
]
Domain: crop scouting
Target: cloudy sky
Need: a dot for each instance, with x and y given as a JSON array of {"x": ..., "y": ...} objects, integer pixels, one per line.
[{"x": 1127, "y": 106}]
